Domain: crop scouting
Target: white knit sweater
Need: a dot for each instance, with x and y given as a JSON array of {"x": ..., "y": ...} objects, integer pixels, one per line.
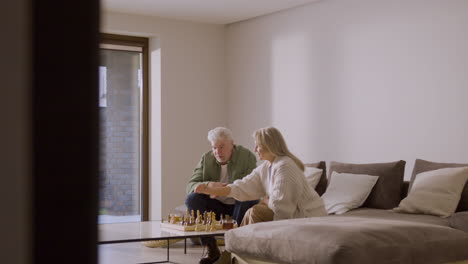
[{"x": 289, "y": 194}]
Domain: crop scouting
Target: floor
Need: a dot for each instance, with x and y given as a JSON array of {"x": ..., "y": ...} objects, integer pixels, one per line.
[{"x": 127, "y": 253}]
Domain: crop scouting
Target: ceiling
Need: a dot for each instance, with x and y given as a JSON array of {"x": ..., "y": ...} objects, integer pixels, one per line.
[{"x": 206, "y": 11}]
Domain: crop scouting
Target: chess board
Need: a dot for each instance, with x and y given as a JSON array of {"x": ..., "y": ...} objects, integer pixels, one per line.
[
  {"x": 185, "y": 228},
  {"x": 179, "y": 222}
]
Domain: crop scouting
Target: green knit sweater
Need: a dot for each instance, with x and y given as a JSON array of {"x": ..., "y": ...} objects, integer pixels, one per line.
[{"x": 242, "y": 162}]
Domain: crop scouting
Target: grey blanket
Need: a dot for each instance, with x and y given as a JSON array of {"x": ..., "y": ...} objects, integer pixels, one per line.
[{"x": 365, "y": 236}]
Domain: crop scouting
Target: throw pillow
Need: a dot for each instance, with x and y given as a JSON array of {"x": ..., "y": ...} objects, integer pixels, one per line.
[
  {"x": 312, "y": 176},
  {"x": 424, "y": 165},
  {"x": 435, "y": 192},
  {"x": 347, "y": 191},
  {"x": 387, "y": 191}
]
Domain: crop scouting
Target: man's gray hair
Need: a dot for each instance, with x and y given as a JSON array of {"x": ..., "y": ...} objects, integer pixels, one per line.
[{"x": 219, "y": 133}]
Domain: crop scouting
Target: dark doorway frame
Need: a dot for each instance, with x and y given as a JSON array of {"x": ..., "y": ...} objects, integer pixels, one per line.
[{"x": 65, "y": 39}]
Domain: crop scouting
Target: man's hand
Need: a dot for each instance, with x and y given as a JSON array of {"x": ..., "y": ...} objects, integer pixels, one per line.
[{"x": 201, "y": 188}]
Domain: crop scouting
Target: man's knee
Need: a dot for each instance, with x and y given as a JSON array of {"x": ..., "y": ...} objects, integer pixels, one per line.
[{"x": 195, "y": 200}]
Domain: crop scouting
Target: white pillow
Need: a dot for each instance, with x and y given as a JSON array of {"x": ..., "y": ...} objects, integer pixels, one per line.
[
  {"x": 312, "y": 176},
  {"x": 435, "y": 192},
  {"x": 347, "y": 191}
]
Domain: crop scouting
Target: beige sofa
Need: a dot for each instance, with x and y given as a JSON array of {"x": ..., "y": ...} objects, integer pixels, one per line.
[{"x": 371, "y": 234}]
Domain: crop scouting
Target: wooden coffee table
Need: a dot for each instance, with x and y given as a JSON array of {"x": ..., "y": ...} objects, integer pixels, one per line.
[{"x": 146, "y": 231}]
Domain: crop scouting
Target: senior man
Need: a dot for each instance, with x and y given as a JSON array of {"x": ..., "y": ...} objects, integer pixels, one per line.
[{"x": 225, "y": 163}]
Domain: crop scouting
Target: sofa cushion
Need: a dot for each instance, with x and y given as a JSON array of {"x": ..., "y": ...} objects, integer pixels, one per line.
[
  {"x": 424, "y": 165},
  {"x": 459, "y": 221},
  {"x": 322, "y": 184},
  {"x": 435, "y": 192},
  {"x": 386, "y": 193},
  {"x": 347, "y": 191}
]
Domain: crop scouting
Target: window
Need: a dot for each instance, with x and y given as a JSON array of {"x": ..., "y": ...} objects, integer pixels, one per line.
[{"x": 123, "y": 126}]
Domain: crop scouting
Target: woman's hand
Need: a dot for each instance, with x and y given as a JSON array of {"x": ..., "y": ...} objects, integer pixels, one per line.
[
  {"x": 216, "y": 184},
  {"x": 265, "y": 200},
  {"x": 213, "y": 189},
  {"x": 201, "y": 188}
]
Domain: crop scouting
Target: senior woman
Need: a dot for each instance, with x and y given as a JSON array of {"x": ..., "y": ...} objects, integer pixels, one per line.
[{"x": 279, "y": 182}]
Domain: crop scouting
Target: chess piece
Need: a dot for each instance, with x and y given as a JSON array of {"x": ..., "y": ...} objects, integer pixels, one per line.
[
  {"x": 198, "y": 220},
  {"x": 208, "y": 218},
  {"x": 228, "y": 223},
  {"x": 186, "y": 218},
  {"x": 198, "y": 227},
  {"x": 213, "y": 217},
  {"x": 168, "y": 218},
  {"x": 173, "y": 219},
  {"x": 208, "y": 222},
  {"x": 213, "y": 226},
  {"x": 191, "y": 219}
]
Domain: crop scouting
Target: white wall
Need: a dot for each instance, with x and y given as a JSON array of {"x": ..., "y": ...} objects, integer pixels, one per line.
[
  {"x": 15, "y": 160},
  {"x": 345, "y": 80},
  {"x": 188, "y": 94},
  {"x": 355, "y": 80}
]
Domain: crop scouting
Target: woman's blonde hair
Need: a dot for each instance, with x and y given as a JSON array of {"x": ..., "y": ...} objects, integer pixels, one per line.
[{"x": 271, "y": 139}]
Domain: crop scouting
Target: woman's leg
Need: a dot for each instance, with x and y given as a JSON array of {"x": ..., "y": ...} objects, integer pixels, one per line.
[
  {"x": 258, "y": 213},
  {"x": 240, "y": 208}
]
